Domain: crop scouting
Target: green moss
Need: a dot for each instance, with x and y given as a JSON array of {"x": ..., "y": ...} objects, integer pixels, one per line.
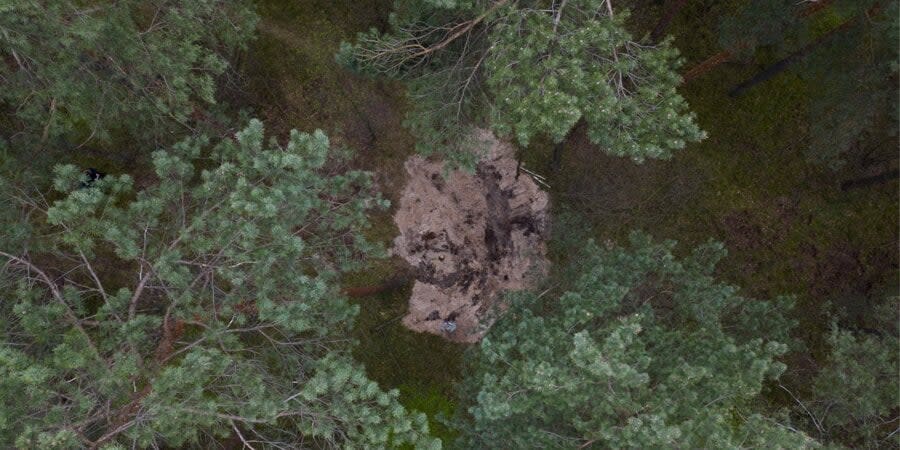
[
  {"x": 425, "y": 368},
  {"x": 436, "y": 404}
]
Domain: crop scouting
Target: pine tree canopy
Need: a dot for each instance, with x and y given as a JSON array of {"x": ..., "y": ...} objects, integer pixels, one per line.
[
  {"x": 644, "y": 350},
  {"x": 528, "y": 69},
  {"x": 856, "y": 72},
  {"x": 847, "y": 50},
  {"x": 176, "y": 275},
  {"x": 200, "y": 307},
  {"x": 852, "y": 403},
  {"x": 84, "y": 70}
]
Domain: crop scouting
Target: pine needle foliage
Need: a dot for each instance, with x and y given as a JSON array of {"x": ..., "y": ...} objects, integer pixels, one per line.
[
  {"x": 529, "y": 69},
  {"x": 85, "y": 70},
  {"x": 846, "y": 51},
  {"x": 643, "y": 350},
  {"x": 854, "y": 400},
  {"x": 200, "y": 308}
]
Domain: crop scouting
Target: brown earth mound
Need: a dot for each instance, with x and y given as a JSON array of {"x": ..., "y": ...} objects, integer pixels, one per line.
[{"x": 469, "y": 238}]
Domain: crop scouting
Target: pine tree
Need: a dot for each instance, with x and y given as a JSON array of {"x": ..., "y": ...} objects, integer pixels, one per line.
[
  {"x": 201, "y": 307},
  {"x": 83, "y": 70},
  {"x": 854, "y": 399},
  {"x": 757, "y": 24},
  {"x": 643, "y": 350},
  {"x": 528, "y": 69},
  {"x": 850, "y": 63},
  {"x": 854, "y": 105},
  {"x": 761, "y": 23}
]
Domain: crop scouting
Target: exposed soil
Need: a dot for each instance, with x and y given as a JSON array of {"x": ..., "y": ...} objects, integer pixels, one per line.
[{"x": 469, "y": 237}]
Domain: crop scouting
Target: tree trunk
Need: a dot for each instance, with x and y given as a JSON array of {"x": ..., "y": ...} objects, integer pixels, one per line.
[
  {"x": 775, "y": 69},
  {"x": 666, "y": 20},
  {"x": 707, "y": 65},
  {"x": 814, "y": 7},
  {"x": 556, "y": 161},
  {"x": 870, "y": 180},
  {"x": 725, "y": 55}
]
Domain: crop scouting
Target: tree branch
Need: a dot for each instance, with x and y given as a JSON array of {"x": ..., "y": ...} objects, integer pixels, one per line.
[
  {"x": 467, "y": 26},
  {"x": 57, "y": 295},
  {"x": 132, "y": 305},
  {"x": 241, "y": 436},
  {"x": 558, "y": 17}
]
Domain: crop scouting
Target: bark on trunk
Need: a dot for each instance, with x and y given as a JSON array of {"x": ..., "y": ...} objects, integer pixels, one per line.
[
  {"x": 814, "y": 8},
  {"x": 707, "y": 65}
]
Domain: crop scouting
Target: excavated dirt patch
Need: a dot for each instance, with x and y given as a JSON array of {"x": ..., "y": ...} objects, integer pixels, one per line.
[{"x": 469, "y": 238}]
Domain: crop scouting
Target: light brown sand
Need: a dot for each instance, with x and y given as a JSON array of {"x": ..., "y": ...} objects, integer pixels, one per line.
[{"x": 469, "y": 237}]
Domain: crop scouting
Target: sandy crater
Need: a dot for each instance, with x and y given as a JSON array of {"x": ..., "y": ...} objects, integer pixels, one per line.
[{"x": 469, "y": 237}]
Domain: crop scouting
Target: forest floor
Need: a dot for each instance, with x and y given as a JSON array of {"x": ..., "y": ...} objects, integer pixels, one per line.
[{"x": 788, "y": 226}]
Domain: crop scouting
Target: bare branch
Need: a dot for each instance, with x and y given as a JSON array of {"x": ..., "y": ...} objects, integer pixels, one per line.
[
  {"x": 241, "y": 436},
  {"x": 811, "y": 416},
  {"x": 132, "y": 306},
  {"x": 394, "y": 55},
  {"x": 559, "y": 12}
]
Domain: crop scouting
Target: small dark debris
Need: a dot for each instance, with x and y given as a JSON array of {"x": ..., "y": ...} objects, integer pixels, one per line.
[{"x": 92, "y": 175}]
